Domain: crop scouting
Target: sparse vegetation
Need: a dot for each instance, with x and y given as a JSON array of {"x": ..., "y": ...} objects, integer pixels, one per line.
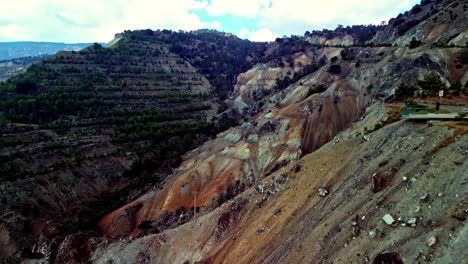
[
  {"x": 414, "y": 43},
  {"x": 335, "y": 69},
  {"x": 320, "y": 88}
]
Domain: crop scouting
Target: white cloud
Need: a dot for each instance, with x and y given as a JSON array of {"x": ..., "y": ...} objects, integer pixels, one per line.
[
  {"x": 99, "y": 20},
  {"x": 93, "y": 20},
  {"x": 214, "y": 25},
  {"x": 297, "y": 16},
  {"x": 243, "y": 33},
  {"x": 12, "y": 31},
  {"x": 235, "y": 7},
  {"x": 263, "y": 34}
]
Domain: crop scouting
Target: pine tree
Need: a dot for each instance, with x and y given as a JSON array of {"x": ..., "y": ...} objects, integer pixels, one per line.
[{"x": 431, "y": 83}]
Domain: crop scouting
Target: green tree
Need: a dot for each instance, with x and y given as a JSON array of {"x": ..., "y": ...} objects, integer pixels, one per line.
[
  {"x": 405, "y": 90},
  {"x": 414, "y": 43},
  {"x": 455, "y": 88},
  {"x": 463, "y": 58},
  {"x": 431, "y": 83}
]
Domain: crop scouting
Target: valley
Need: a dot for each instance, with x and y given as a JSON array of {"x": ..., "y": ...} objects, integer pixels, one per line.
[{"x": 199, "y": 147}]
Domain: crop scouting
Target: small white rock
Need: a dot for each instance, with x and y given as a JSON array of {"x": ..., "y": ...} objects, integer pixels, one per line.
[
  {"x": 322, "y": 192},
  {"x": 388, "y": 219},
  {"x": 432, "y": 241},
  {"x": 412, "y": 221},
  {"x": 405, "y": 179}
]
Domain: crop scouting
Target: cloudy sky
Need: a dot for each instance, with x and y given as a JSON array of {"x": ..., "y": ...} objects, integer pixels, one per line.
[{"x": 258, "y": 20}]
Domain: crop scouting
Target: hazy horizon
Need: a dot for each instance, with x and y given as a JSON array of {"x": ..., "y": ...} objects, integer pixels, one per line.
[{"x": 88, "y": 21}]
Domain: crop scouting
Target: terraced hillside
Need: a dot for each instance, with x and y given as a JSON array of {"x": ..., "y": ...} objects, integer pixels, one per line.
[{"x": 86, "y": 130}]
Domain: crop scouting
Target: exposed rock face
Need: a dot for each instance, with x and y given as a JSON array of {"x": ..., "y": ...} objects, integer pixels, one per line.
[
  {"x": 338, "y": 39},
  {"x": 299, "y": 226},
  {"x": 439, "y": 22},
  {"x": 215, "y": 176}
]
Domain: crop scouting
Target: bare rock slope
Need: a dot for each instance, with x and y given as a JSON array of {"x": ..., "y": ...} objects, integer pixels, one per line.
[{"x": 255, "y": 194}]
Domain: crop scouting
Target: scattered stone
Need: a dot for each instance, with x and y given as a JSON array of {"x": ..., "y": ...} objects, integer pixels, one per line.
[
  {"x": 388, "y": 219},
  {"x": 440, "y": 194},
  {"x": 322, "y": 192},
  {"x": 405, "y": 179},
  {"x": 261, "y": 230},
  {"x": 432, "y": 241},
  {"x": 260, "y": 187},
  {"x": 425, "y": 198},
  {"x": 412, "y": 221},
  {"x": 366, "y": 138},
  {"x": 417, "y": 209},
  {"x": 372, "y": 233}
]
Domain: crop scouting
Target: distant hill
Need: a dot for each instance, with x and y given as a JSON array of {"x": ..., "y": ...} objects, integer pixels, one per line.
[
  {"x": 10, "y": 68},
  {"x": 12, "y": 50}
]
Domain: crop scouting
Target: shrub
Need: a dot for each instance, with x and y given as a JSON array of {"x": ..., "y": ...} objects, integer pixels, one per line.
[
  {"x": 316, "y": 89},
  {"x": 463, "y": 58},
  {"x": 416, "y": 9},
  {"x": 335, "y": 69},
  {"x": 414, "y": 43},
  {"x": 455, "y": 88},
  {"x": 347, "y": 54},
  {"x": 404, "y": 90}
]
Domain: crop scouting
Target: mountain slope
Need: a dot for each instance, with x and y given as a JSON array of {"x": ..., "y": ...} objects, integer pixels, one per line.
[
  {"x": 308, "y": 176},
  {"x": 248, "y": 196},
  {"x": 87, "y": 130}
]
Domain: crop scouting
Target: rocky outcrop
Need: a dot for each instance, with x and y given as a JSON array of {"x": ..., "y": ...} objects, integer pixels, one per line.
[
  {"x": 297, "y": 225},
  {"x": 440, "y": 23}
]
